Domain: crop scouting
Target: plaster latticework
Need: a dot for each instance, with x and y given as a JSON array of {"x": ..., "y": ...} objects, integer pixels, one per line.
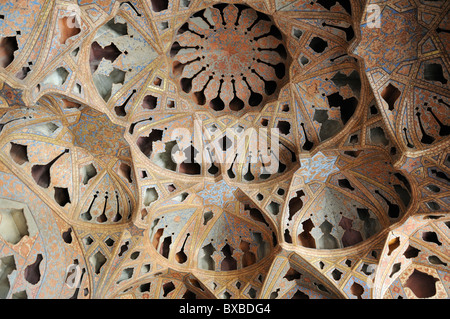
[{"x": 224, "y": 149}]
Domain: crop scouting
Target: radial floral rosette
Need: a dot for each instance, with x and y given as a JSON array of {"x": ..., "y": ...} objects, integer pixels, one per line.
[{"x": 230, "y": 58}]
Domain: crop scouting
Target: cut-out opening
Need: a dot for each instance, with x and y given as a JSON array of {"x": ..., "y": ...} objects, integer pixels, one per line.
[
  {"x": 248, "y": 258},
  {"x": 256, "y": 214},
  {"x": 264, "y": 122},
  {"x": 287, "y": 236},
  {"x": 105, "y": 83},
  {"x": 194, "y": 282},
  {"x": 144, "y": 214},
  {"x": 274, "y": 294},
  {"x": 390, "y": 94},
  {"x": 170, "y": 104},
  {"x": 7, "y": 266},
  {"x": 163, "y": 25},
  {"x": 19, "y": 295},
  {"x": 125, "y": 171},
  {"x": 13, "y": 225},
  {"x": 367, "y": 269},
  {"x": 422, "y": 284},
  {"x": 411, "y": 252},
  {"x": 97, "y": 260},
  {"x": 75, "y": 52},
  {"x": 68, "y": 104},
  {"x": 109, "y": 242},
  {"x": 354, "y": 139},
  {"x": 433, "y": 188},
  {"x": 336, "y": 274},
  {"x": 284, "y": 127},
  {"x": 273, "y": 208},
  {"x": 356, "y": 290},
  {"x": 57, "y": 77},
  {"x": 435, "y": 260},
  {"x": 344, "y": 183},
  {"x": 206, "y": 261},
  {"x": 126, "y": 274},
  {"x": 143, "y": 174},
  {"x": 68, "y": 27},
  {"x": 98, "y": 53},
  {"x": 157, "y": 237},
  {"x": 8, "y": 45},
  {"x": 62, "y": 196},
  {"x": 318, "y": 45},
  {"x": 145, "y": 268},
  {"x": 145, "y": 143},
  {"x": 304, "y": 60},
  {"x": 225, "y": 295},
  {"x": 377, "y": 136},
  {"x": 395, "y": 269},
  {"x": 150, "y": 196},
  {"x": 46, "y": 129},
  {"x": 150, "y": 102},
  {"x": 252, "y": 293},
  {"x": 41, "y": 173},
  {"x": 352, "y": 153},
  {"x": 23, "y": 72},
  {"x": 185, "y": 3},
  {"x": 135, "y": 255},
  {"x": 433, "y": 205},
  {"x": 159, "y": 5},
  {"x": 431, "y": 237},
  {"x": 373, "y": 110},
  {"x": 145, "y": 287},
  {"x": 300, "y": 295},
  {"x": 157, "y": 81},
  {"x": 292, "y": 274},
  {"x": 165, "y": 246},
  {"x": 228, "y": 263},
  {"x": 168, "y": 288},
  {"x": 434, "y": 72},
  {"x": 295, "y": 203},
  {"x": 32, "y": 272},
  {"x": 123, "y": 248},
  {"x": 297, "y": 33},
  {"x": 181, "y": 256},
  {"x": 88, "y": 172},
  {"x": 207, "y": 216},
  {"x": 88, "y": 240},
  {"x": 181, "y": 197},
  {"x": 393, "y": 245},
  {"x": 67, "y": 236}
]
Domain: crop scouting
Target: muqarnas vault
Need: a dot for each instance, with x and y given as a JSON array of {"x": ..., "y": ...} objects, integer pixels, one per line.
[{"x": 127, "y": 168}]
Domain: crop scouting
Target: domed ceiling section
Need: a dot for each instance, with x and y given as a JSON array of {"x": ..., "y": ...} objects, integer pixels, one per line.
[
  {"x": 410, "y": 80},
  {"x": 291, "y": 278},
  {"x": 415, "y": 260},
  {"x": 190, "y": 149},
  {"x": 73, "y": 169},
  {"x": 38, "y": 250},
  {"x": 241, "y": 151},
  {"x": 336, "y": 203},
  {"x": 230, "y": 58},
  {"x": 215, "y": 229}
]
